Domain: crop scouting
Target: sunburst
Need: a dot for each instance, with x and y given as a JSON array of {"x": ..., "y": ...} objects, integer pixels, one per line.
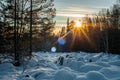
[{"x": 78, "y": 24}]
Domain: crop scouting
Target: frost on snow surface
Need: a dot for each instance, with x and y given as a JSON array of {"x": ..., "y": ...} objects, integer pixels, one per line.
[{"x": 64, "y": 66}]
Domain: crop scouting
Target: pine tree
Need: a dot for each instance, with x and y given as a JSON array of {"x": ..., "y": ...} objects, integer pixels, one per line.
[
  {"x": 115, "y": 14},
  {"x": 47, "y": 23},
  {"x": 6, "y": 27}
]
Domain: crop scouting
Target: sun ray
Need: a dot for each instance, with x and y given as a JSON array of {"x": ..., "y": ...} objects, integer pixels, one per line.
[
  {"x": 73, "y": 40},
  {"x": 89, "y": 40}
]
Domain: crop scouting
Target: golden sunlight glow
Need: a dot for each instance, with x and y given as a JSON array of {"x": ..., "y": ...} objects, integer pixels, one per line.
[{"x": 78, "y": 24}]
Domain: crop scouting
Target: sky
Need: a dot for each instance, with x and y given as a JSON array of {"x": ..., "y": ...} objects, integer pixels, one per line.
[{"x": 75, "y": 9}]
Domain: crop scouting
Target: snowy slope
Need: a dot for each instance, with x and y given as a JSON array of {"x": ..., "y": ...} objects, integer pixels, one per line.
[{"x": 65, "y": 66}]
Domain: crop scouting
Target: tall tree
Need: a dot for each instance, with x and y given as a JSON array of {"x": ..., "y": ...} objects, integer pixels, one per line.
[
  {"x": 115, "y": 14},
  {"x": 6, "y": 20}
]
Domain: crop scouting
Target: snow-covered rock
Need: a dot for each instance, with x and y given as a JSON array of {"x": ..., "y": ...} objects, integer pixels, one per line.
[
  {"x": 89, "y": 67},
  {"x": 81, "y": 78},
  {"x": 110, "y": 72},
  {"x": 116, "y": 63},
  {"x": 103, "y": 64},
  {"x": 7, "y": 67},
  {"x": 95, "y": 75},
  {"x": 64, "y": 74},
  {"x": 75, "y": 65}
]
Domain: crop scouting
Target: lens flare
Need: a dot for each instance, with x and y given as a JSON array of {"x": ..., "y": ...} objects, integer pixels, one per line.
[
  {"x": 53, "y": 49},
  {"x": 61, "y": 41}
]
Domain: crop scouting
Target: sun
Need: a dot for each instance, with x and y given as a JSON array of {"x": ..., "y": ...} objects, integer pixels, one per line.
[{"x": 78, "y": 23}]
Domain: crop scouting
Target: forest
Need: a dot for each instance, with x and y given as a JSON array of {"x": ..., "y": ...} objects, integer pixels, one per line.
[{"x": 27, "y": 26}]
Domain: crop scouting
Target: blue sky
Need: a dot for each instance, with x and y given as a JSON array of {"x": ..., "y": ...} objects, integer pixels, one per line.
[{"x": 78, "y": 8}]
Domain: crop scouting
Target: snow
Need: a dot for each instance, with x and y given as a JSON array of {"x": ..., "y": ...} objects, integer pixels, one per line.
[
  {"x": 95, "y": 75},
  {"x": 81, "y": 78},
  {"x": 75, "y": 65},
  {"x": 64, "y": 66},
  {"x": 64, "y": 74},
  {"x": 116, "y": 63},
  {"x": 89, "y": 67}
]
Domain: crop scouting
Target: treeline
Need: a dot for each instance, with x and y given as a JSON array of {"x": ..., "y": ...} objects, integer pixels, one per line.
[{"x": 99, "y": 32}]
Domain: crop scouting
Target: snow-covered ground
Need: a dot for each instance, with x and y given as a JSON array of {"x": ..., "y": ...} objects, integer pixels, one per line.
[{"x": 65, "y": 66}]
